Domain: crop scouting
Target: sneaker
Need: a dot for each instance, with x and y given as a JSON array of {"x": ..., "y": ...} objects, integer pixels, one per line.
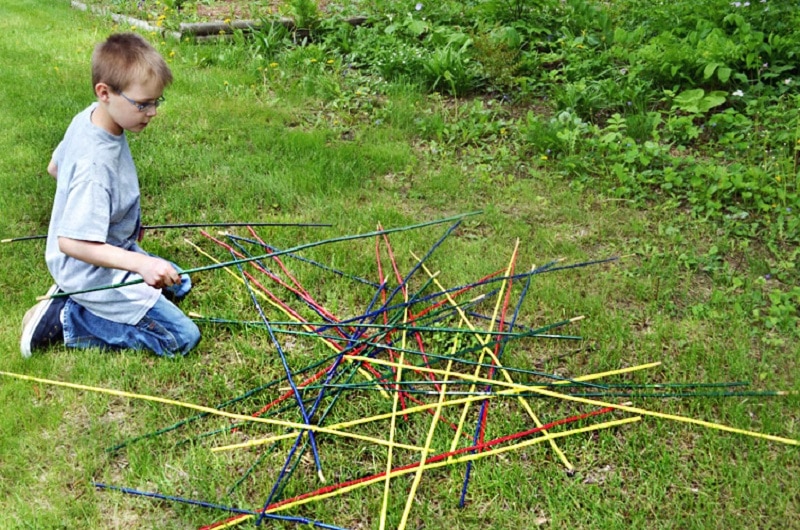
[
  {"x": 176, "y": 293},
  {"x": 41, "y": 325}
]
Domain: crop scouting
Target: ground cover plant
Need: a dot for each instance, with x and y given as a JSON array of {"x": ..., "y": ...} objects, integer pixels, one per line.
[{"x": 581, "y": 128}]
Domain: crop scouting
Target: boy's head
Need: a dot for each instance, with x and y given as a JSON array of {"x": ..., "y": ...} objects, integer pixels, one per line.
[{"x": 126, "y": 58}]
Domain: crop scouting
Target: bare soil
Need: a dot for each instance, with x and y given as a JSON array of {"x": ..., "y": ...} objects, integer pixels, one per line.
[{"x": 244, "y": 9}]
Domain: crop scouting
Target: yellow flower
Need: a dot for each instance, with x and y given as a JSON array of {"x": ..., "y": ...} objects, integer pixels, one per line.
[
  {"x": 330, "y": 61},
  {"x": 778, "y": 178},
  {"x": 313, "y": 60},
  {"x": 543, "y": 157},
  {"x": 225, "y": 83},
  {"x": 503, "y": 131},
  {"x": 172, "y": 53},
  {"x": 227, "y": 21},
  {"x": 273, "y": 65}
]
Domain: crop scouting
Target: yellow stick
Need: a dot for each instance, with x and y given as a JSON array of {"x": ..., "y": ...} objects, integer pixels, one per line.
[
  {"x": 423, "y": 408},
  {"x": 505, "y": 373},
  {"x": 626, "y": 408},
  {"x": 398, "y": 378},
  {"x": 459, "y": 460},
  {"x": 209, "y": 410},
  {"x": 497, "y": 305},
  {"x": 428, "y": 440}
]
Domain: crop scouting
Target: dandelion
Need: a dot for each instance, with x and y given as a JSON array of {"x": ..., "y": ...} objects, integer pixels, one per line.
[
  {"x": 503, "y": 131},
  {"x": 543, "y": 157},
  {"x": 738, "y": 93},
  {"x": 313, "y": 61},
  {"x": 273, "y": 65},
  {"x": 172, "y": 53},
  {"x": 330, "y": 61},
  {"x": 418, "y": 7},
  {"x": 227, "y": 21}
]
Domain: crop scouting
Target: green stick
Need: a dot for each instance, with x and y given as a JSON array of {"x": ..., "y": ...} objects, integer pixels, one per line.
[{"x": 270, "y": 255}]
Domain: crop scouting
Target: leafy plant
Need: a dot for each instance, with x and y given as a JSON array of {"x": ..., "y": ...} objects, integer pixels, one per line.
[{"x": 305, "y": 13}]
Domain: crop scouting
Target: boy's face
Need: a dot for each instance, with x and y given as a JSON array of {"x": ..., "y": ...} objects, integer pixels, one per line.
[{"x": 132, "y": 108}]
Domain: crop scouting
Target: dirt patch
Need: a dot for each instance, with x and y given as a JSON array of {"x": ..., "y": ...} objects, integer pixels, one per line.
[{"x": 244, "y": 9}]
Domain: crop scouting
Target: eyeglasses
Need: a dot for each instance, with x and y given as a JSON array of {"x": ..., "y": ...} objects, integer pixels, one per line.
[{"x": 143, "y": 106}]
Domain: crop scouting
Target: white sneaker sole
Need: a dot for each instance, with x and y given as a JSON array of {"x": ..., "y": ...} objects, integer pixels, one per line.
[{"x": 29, "y": 326}]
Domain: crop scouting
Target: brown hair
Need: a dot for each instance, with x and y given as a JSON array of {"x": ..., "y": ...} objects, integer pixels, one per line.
[{"x": 125, "y": 58}]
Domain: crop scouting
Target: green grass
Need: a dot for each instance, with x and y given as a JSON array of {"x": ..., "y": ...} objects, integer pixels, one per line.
[{"x": 226, "y": 146}]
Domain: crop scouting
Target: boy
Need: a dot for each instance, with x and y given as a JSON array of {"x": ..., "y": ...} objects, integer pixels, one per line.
[{"x": 95, "y": 223}]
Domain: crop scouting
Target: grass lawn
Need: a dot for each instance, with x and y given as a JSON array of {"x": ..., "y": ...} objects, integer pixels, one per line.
[{"x": 234, "y": 143}]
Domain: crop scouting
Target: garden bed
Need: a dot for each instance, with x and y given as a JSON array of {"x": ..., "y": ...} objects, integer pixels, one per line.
[{"x": 170, "y": 13}]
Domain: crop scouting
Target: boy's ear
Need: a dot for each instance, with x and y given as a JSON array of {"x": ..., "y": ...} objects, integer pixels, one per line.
[{"x": 102, "y": 91}]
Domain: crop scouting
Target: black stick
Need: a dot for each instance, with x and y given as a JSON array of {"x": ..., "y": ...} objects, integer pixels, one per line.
[{"x": 182, "y": 225}]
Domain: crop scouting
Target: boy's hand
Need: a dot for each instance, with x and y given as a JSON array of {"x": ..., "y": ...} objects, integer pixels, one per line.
[
  {"x": 159, "y": 273},
  {"x": 155, "y": 272}
]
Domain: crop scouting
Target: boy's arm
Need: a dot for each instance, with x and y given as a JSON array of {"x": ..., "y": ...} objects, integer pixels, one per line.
[
  {"x": 155, "y": 272},
  {"x": 52, "y": 168}
]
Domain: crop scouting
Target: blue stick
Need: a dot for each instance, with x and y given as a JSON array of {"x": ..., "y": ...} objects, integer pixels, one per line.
[{"x": 204, "y": 504}]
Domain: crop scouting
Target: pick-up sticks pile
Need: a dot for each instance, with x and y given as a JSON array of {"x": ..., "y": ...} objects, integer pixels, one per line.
[{"x": 424, "y": 356}]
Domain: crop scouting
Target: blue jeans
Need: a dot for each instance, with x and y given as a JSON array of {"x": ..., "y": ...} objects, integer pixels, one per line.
[{"x": 164, "y": 330}]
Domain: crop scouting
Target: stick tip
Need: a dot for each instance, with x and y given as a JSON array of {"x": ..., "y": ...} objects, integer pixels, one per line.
[{"x": 5, "y": 241}]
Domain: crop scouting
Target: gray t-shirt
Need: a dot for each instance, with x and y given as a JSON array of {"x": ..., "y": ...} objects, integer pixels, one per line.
[{"x": 97, "y": 199}]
